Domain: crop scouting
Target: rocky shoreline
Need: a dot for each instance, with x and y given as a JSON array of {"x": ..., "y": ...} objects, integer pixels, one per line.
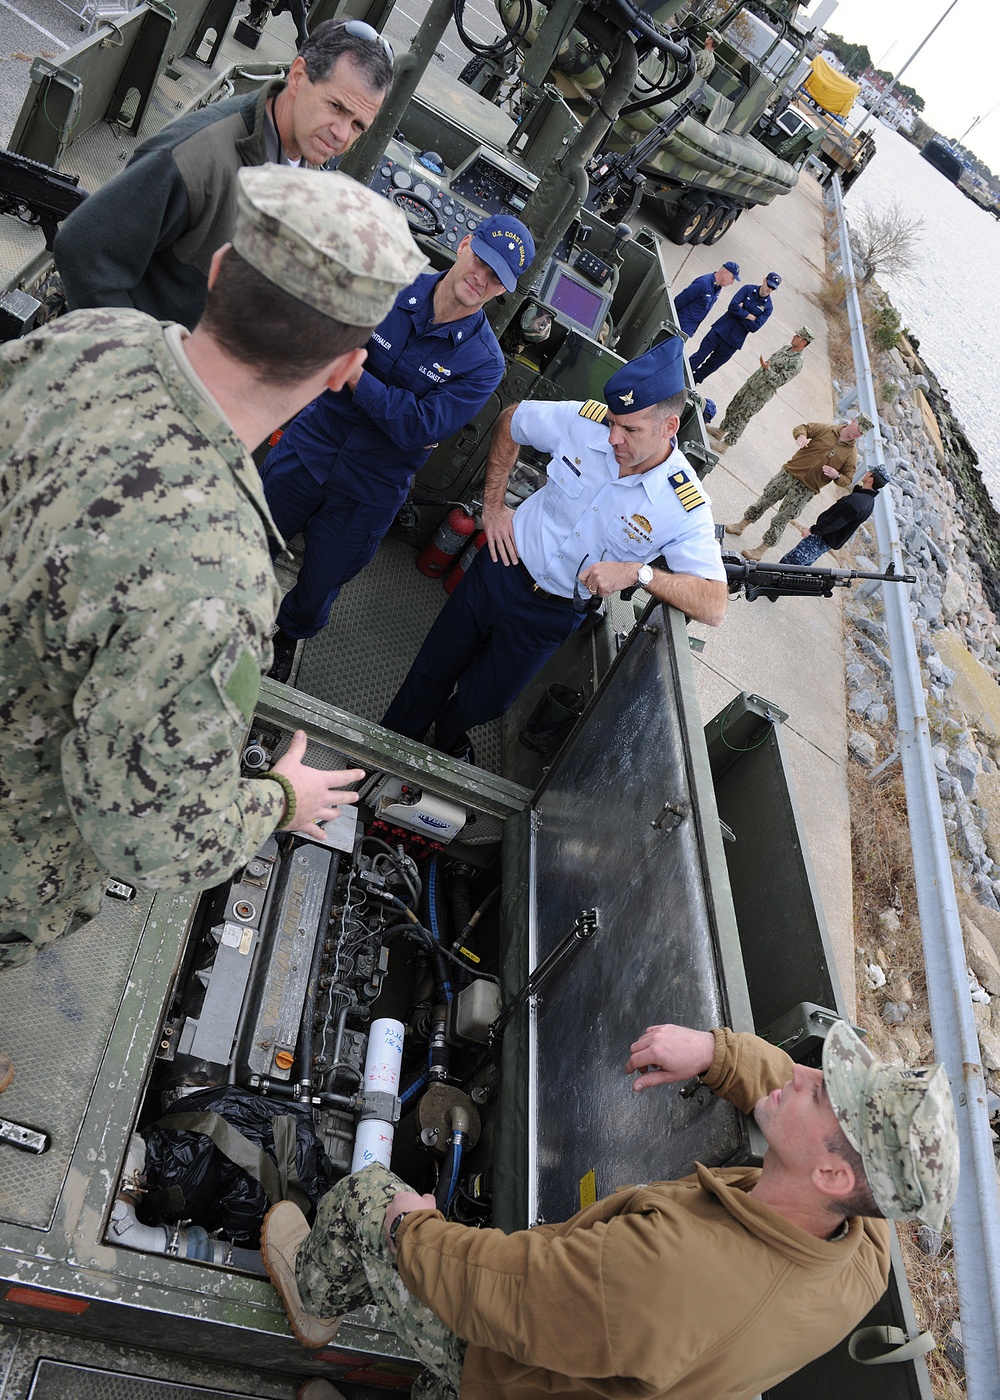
[{"x": 950, "y": 534}]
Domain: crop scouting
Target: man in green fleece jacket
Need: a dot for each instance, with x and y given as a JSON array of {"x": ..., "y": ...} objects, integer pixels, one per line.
[
  {"x": 146, "y": 238},
  {"x": 759, "y": 1270}
]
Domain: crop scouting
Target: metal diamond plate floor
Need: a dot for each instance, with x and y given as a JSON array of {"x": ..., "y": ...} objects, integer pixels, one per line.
[
  {"x": 56, "y": 1380},
  {"x": 376, "y": 626},
  {"x": 56, "y": 1013}
]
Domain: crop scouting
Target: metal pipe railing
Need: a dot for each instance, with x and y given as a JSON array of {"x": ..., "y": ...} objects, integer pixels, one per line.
[{"x": 975, "y": 1216}]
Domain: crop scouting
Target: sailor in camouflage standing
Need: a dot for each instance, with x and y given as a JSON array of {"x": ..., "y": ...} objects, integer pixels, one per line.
[
  {"x": 761, "y": 388},
  {"x": 140, "y": 597}
]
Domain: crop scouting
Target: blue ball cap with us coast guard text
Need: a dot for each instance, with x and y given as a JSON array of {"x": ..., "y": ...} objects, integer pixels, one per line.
[
  {"x": 506, "y": 246},
  {"x": 650, "y": 379},
  {"x": 773, "y": 280}
]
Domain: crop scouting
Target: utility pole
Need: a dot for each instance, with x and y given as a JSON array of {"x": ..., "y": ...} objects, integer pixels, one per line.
[{"x": 888, "y": 92}]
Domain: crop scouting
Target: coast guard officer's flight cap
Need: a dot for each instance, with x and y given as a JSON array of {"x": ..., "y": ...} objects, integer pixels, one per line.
[
  {"x": 650, "y": 379},
  {"x": 506, "y": 246}
]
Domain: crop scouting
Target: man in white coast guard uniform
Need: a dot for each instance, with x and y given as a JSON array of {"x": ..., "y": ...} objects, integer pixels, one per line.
[{"x": 619, "y": 493}]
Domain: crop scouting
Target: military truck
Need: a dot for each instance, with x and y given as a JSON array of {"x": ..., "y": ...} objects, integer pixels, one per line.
[
  {"x": 689, "y": 143},
  {"x": 474, "y": 945},
  {"x": 812, "y": 121}
]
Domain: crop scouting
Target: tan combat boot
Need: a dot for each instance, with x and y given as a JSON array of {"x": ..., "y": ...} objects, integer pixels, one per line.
[
  {"x": 284, "y": 1232},
  {"x": 755, "y": 554},
  {"x": 738, "y": 527},
  {"x": 713, "y": 432},
  {"x": 6, "y": 1073},
  {"x": 319, "y": 1389}
]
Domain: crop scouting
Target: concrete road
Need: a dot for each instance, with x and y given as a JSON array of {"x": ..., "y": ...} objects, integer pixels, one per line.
[{"x": 790, "y": 652}]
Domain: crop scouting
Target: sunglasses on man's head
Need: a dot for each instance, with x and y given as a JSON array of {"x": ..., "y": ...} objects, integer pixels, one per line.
[{"x": 358, "y": 29}]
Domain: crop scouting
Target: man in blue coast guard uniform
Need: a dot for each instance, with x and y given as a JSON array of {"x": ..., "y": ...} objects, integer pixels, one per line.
[
  {"x": 745, "y": 314},
  {"x": 697, "y": 299},
  {"x": 343, "y": 469},
  {"x": 619, "y": 492}
]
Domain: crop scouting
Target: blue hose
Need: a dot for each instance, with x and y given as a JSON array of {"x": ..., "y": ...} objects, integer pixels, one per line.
[
  {"x": 414, "y": 1088},
  {"x": 445, "y": 1194}
]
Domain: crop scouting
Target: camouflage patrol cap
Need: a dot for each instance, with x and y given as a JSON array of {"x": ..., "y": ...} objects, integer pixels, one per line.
[
  {"x": 804, "y": 333},
  {"x": 865, "y": 423},
  {"x": 901, "y": 1121},
  {"x": 325, "y": 239}
]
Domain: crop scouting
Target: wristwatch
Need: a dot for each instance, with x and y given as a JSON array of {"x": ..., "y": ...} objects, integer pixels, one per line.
[
  {"x": 395, "y": 1226},
  {"x": 645, "y": 575}
]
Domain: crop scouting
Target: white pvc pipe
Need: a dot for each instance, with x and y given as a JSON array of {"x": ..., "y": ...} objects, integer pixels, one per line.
[{"x": 383, "y": 1060}]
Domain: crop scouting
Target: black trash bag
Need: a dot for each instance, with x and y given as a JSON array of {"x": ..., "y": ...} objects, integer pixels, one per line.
[{"x": 190, "y": 1177}]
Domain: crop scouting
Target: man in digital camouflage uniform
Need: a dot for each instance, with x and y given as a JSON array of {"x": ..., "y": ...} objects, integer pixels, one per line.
[
  {"x": 139, "y": 595},
  {"x": 826, "y": 453},
  {"x": 761, "y": 388},
  {"x": 758, "y": 1270}
]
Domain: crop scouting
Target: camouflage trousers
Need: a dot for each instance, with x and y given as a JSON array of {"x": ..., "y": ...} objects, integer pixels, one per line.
[
  {"x": 742, "y": 407},
  {"x": 791, "y": 493},
  {"x": 345, "y": 1264}
]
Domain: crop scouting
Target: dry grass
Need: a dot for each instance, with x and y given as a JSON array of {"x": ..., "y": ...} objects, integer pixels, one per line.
[
  {"x": 881, "y": 853},
  {"x": 935, "y": 1302},
  {"x": 830, "y": 300},
  {"x": 883, "y": 879}
]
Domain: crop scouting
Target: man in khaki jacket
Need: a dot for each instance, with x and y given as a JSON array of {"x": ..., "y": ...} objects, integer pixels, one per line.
[
  {"x": 826, "y": 453},
  {"x": 718, "y": 1285}
]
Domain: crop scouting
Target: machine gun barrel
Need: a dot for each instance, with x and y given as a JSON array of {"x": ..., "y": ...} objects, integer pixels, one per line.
[
  {"x": 607, "y": 171},
  {"x": 787, "y": 580},
  {"x": 47, "y": 194}
]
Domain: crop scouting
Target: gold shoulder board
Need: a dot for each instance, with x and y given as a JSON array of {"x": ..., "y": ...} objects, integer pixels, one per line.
[
  {"x": 595, "y": 411},
  {"x": 688, "y": 492}
]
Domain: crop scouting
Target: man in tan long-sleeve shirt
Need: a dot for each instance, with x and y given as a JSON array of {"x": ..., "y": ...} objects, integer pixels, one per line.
[
  {"x": 826, "y": 453},
  {"x": 718, "y": 1285}
]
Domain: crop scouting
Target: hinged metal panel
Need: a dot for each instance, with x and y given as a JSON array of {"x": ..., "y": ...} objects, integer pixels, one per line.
[{"x": 628, "y": 826}]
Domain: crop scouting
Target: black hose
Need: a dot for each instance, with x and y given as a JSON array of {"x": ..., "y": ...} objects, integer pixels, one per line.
[
  {"x": 474, "y": 920},
  {"x": 412, "y": 884},
  {"x": 635, "y": 19},
  {"x": 461, "y": 898},
  {"x": 500, "y": 47},
  {"x": 414, "y": 929}
]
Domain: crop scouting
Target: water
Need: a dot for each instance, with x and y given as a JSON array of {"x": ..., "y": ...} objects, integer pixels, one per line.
[{"x": 951, "y": 300}]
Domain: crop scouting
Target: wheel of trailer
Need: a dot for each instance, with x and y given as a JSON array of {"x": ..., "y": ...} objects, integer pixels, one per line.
[
  {"x": 687, "y": 221},
  {"x": 725, "y": 223},
  {"x": 472, "y": 69}
]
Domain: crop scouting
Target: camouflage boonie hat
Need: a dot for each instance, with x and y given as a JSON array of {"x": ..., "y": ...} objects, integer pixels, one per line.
[
  {"x": 902, "y": 1121},
  {"x": 325, "y": 239},
  {"x": 865, "y": 423},
  {"x": 804, "y": 333}
]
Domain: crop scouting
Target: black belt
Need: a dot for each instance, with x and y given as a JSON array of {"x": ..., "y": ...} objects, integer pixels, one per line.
[{"x": 538, "y": 590}]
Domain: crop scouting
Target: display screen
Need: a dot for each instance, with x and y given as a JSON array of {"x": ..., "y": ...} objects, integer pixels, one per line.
[{"x": 577, "y": 302}]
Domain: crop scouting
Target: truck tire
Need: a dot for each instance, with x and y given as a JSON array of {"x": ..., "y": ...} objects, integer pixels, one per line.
[
  {"x": 708, "y": 232},
  {"x": 685, "y": 224},
  {"x": 725, "y": 223}
]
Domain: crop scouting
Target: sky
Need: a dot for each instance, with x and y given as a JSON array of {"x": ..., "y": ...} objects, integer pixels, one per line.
[{"x": 955, "y": 74}]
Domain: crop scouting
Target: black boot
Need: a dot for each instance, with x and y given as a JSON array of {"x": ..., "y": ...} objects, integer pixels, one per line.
[
  {"x": 284, "y": 655},
  {"x": 462, "y": 749}
]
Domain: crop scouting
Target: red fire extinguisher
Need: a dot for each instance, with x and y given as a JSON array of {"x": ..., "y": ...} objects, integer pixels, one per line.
[
  {"x": 463, "y": 563},
  {"x": 448, "y": 539}
]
